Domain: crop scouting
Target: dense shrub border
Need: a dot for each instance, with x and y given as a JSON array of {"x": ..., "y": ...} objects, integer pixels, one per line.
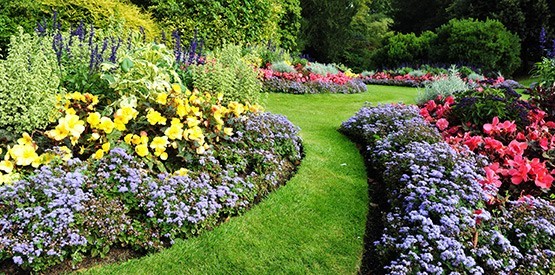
[{"x": 437, "y": 214}]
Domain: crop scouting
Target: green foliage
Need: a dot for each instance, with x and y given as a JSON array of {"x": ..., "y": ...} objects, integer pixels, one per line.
[
  {"x": 444, "y": 87},
  {"x": 418, "y": 15},
  {"x": 480, "y": 107},
  {"x": 142, "y": 73},
  {"x": 117, "y": 15},
  {"x": 483, "y": 43},
  {"x": 29, "y": 84},
  {"x": 106, "y": 14},
  {"x": 232, "y": 21},
  {"x": 544, "y": 98},
  {"x": 545, "y": 70},
  {"x": 405, "y": 48},
  {"x": 229, "y": 72},
  {"x": 523, "y": 17},
  {"x": 366, "y": 32},
  {"x": 24, "y": 13}
]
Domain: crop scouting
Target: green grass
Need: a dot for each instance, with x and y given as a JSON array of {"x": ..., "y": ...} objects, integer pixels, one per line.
[{"x": 314, "y": 224}]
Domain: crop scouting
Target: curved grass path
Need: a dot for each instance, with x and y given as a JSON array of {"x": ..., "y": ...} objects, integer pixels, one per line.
[{"x": 315, "y": 224}]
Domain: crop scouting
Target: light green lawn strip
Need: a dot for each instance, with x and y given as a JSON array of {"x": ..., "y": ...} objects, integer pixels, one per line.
[{"x": 315, "y": 224}]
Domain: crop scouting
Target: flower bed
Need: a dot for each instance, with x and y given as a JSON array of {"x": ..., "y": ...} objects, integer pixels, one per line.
[
  {"x": 306, "y": 82},
  {"x": 439, "y": 214},
  {"x": 424, "y": 76},
  {"x": 140, "y": 164}
]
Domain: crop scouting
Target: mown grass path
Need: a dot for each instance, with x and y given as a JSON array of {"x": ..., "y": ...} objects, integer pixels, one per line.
[{"x": 315, "y": 224}]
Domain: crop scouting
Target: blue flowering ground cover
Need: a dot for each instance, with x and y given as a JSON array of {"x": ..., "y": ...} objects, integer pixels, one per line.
[
  {"x": 433, "y": 212},
  {"x": 71, "y": 210}
]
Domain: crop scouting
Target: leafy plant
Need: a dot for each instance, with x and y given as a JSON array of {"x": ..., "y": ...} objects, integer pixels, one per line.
[
  {"x": 445, "y": 86},
  {"x": 29, "y": 84},
  {"x": 545, "y": 70},
  {"x": 226, "y": 71}
]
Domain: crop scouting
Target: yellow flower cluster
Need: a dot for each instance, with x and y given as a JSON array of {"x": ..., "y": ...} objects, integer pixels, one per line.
[
  {"x": 195, "y": 121},
  {"x": 22, "y": 154}
]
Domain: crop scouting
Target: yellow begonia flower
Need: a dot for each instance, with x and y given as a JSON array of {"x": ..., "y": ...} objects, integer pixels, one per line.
[
  {"x": 175, "y": 131},
  {"x": 68, "y": 125},
  {"x": 228, "y": 131},
  {"x": 144, "y": 138},
  {"x": 119, "y": 124},
  {"x": 106, "y": 125},
  {"x": 159, "y": 143},
  {"x": 23, "y": 155},
  {"x": 98, "y": 154},
  {"x": 192, "y": 122},
  {"x": 182, "y": 110},
  {"x": 9, "y": 178},
  {"x": 6, "y": 166},
  {"x": 136, "y": 139},
  {"x": 181, "y": 172},
  {"x": 94, "y": 119},
  {"x": 128, "y": 138},
  {"x": 25, "y": 140},
  {"x": 155, "y": 117},
  {"x": 176, "y": 88},
  {"x": 70, "y": 111},
  {"x": 194, "y": 133},
  {"x": 162, "y": 98},
  {"x": 106, "y": 147},
  {"x": 163, "y": 156},
  {"x": 141, "y": 150}
]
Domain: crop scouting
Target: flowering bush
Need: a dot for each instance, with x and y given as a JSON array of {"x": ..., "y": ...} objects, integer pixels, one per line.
[{"x": 441, "y": 215}]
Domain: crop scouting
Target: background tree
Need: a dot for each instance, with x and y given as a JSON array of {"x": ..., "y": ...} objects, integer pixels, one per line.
[
  {"x": 418, "y": 15},
  {"x": 523, "y": 17}
]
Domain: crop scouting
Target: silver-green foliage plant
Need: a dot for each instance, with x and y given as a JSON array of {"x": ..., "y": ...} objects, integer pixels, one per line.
[
  {"x": 282, "y": 67},
  {"x": 229, "y": 72},
  {"x": 322, "y": 69},
  {"x": 447, "y": 86},
  {"x": 29, "y": 84}
]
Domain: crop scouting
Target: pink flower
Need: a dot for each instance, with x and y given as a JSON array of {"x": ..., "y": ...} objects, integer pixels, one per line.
[
  {"x": 472, "y": 142},
  {"x": 491, "y": 175},
  {"x": 493, "y": 144},
  {"x": 442, "y": 124},
  {"x": 519, "y": 169},
  {"x": 516, "y": 148},
  {"x": 491, "y": 127}
]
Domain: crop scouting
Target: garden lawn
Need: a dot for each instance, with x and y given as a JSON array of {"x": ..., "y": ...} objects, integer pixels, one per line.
[{"x": 314, "y": 224}]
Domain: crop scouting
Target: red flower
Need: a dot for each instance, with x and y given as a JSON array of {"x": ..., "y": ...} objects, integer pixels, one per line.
[
  {"x": 442, "y": 124},
  {"x": 493, "y": 144},
  {"x": 472, "y": 142}
]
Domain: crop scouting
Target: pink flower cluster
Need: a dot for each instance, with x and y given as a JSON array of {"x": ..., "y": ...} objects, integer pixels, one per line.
[
  {"x": 339, "y": 78},
  {"x": 516, "y": 156}
]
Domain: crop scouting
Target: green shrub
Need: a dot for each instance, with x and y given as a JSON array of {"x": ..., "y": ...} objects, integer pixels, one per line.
[
  {"x": 229, "y": 72},
  {"x": 117, "y": 15},
  {"x": 104, "y": 14},
  {"x": 444, "y": 87},
  {"x": 405, "y": 48},
  {"x": 232, "y": 21},
  {"x": 487, "y": 44},
  {"x": 24, "y": 13},
  {"x": 29, "y": 84}
]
